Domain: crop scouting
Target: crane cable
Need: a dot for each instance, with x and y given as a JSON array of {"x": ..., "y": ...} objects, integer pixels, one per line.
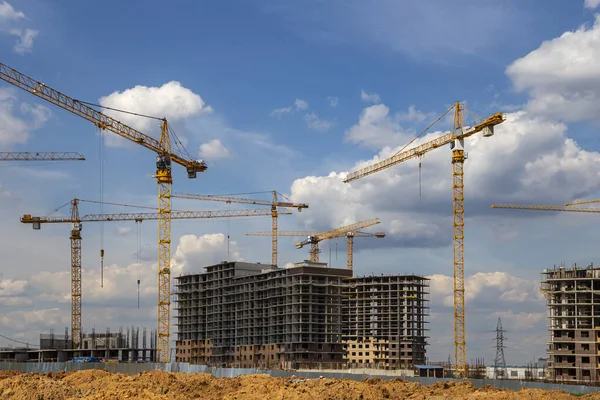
[
  {"x": 228, "y": 226},
  {"x": 101, "y": 204},
  {"x": 18, "y": 341},
  {"x": 418, "y": 136},
  {"x": 116, "y": 109},
  {"x": 139, "y": 243}
]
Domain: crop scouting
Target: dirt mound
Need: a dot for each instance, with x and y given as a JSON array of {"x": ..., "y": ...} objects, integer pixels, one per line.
[{"x": 157, "y": 385}]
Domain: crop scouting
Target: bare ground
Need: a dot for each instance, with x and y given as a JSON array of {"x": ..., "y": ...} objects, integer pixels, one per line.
[{"x": 96, "y": 384}]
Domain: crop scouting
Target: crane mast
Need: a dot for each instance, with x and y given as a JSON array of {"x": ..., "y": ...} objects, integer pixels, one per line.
[
  {"x": 75, "y": 275},
  {"x": 458, "y": 161},
  {"x": 164, "y": 179}
]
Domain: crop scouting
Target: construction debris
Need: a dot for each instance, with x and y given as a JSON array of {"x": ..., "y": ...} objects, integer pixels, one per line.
[{"x": 96, "y": 385}]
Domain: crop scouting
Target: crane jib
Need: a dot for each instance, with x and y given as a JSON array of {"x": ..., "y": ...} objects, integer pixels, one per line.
[{"x": 99, "y": 119}]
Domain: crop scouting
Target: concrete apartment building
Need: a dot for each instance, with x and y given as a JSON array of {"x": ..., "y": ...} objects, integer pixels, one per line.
[
  {"x": 384, "y": 321},
  {"x": 239, "y": 314},
  {"x": 573, "y": 302}
]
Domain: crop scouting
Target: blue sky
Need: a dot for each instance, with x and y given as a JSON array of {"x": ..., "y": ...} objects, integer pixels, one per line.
[{"x": 282, "y": 93}]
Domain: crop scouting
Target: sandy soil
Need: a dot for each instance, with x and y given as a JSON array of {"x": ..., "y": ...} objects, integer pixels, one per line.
[{"x": 93, "y": 384}]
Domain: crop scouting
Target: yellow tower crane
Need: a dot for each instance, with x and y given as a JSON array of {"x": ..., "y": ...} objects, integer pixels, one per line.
[
  {"x": 580, "y": 202},
  {"x": 274, "y": 203},
  {"x": 547, "y": 208},
  {"x": 349, "y": 239},
  {"x": 40, "y": 156},
  {"x": 165, "y": 155},
  {"x": 75, "y": 237},
  {"x": 314, "y": 239},
  {"x": 456, "y": 140}
]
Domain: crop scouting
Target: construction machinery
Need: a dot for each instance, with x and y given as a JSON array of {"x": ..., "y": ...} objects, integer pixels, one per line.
[
  {"x": 76, "y": 226},
  {"x": 274, "y": 203},
  {"x": 40, "y": 156},
  {"x": 165, "y": 156},
  {"x": 349, "y": 239},
  {"x": 455, "y": 139},
  {"x": 314, "y": 239}
]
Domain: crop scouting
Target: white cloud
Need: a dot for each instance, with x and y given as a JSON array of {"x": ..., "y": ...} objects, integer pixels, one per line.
[
  {"x": 16, "y": 129},
  {"x": 318, "y": 124},
  {"x": 376, "y": 129},
  {"x": 7, "y": 94},
  {"x": 521, "y": 320},
  {"x": 171, "y": 100},
  {"x": 116, "y": 301},
  {"x": 414, "y": 115},
  {"x": 9, "y": 23},
  {"x": 493, "y": 285},
  {"x": 333, "y": 101},
  {"x": 41, "y": 174},
  {"x": 370, "y": 97},
  {"x": 591, "y": 4},
  {"x": 301, "y": 104},
  {"x": 38, "y": 114},
  {"x": 9, "y": 287},
  {"x": 280, "y": 111},
  {"x": 529, "y": 160},
  {"x": 213, "y": 150},
  {"x": 124, "y": 230},
  {"x": 15, "y": 301},
  {"x": 25, "y": 42},
  {"x": 8, "y": 13},
  {"x": 194, "y": 252},
  {"x": 34, "y": 320},
  {"x": 562, "y": 76}
]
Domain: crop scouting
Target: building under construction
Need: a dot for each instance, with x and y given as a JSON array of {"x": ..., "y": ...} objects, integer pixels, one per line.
[
  {"x": 122, "y": 346},
  {"x": 254, "y": 315},
  {"x": 384, "y": 321},
  {"x": 573, "y": 299}
]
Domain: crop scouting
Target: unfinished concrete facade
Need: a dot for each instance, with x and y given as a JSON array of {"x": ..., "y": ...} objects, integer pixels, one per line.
[
  {"x": 384, "y": 321},
  {"x": 573, "y": 302},
  {"x": 254, "y": 315}
]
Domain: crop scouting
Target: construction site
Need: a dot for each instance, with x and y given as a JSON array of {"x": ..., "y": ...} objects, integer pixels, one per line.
[
  {"x": 389, "y": 319},
  {"x": 306, "y": 315},
  {"x": 122, "y": 346}
]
